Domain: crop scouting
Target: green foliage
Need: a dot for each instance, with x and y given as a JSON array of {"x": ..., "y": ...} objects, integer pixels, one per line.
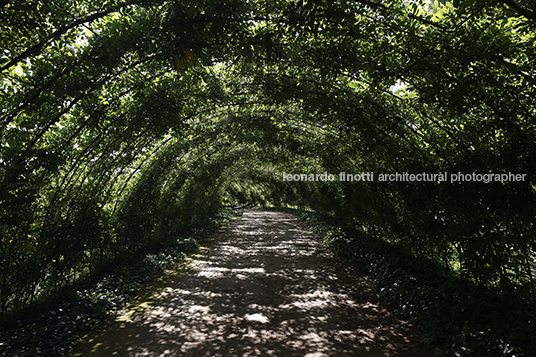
[
  {"x": 123, "y": 122},
  {"x": 451, "y": 312},
  {"x": 53, "y": 326}
]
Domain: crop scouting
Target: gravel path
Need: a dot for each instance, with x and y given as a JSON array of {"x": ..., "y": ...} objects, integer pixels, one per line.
[{"x": 264, "y": 286}]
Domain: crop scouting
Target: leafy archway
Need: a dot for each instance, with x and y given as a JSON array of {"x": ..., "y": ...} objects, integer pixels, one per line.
[{"x": 125, "y": 121}]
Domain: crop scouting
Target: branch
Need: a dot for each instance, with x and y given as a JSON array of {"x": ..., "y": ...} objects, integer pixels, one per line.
[
  {"x": 62, "y": 30},
  {"x": 412, "y": 16},
  {"x": 520, "y": 10}
]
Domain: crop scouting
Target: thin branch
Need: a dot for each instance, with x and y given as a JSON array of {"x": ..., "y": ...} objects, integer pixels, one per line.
[
  {"x": 520, "y": 10},
  {"x": 62, "y": 30}
]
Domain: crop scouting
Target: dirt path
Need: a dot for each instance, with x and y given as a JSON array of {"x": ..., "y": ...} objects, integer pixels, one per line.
[{"x": 264, "y": 287}]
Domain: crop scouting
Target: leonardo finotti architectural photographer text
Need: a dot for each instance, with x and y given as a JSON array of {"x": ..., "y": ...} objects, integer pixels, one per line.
[{"x": 408, "y": 177}]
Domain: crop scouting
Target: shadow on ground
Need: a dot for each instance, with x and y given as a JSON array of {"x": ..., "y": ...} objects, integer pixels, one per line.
[{"x": 264, "y": 287}]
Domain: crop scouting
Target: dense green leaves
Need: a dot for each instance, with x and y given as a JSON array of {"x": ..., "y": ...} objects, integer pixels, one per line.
[
  {"x": 450, "y": 310},
  {"x": 123, "y": 122}
]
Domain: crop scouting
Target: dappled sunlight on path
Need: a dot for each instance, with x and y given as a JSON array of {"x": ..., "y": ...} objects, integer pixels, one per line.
[{"x": 264, "y": 287}]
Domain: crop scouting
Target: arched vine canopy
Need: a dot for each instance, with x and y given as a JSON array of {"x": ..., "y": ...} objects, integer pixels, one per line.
[{"x": 125, "y": 121}]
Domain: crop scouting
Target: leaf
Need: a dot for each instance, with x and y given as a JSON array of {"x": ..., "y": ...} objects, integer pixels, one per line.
[{"x": 186, "y": 61}]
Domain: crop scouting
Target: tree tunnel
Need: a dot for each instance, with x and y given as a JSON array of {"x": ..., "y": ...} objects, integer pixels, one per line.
[{"x": 123, "y": 122}]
